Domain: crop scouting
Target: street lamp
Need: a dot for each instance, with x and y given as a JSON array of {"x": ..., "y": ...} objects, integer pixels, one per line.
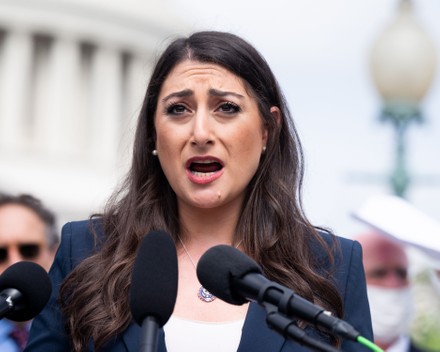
[{"x": 403, "y": 64}]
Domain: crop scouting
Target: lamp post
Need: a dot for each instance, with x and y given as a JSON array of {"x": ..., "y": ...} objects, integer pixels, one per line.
[{"x": 403, "y": 61}]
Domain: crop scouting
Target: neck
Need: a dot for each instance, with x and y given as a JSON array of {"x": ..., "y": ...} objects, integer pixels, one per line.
[{"x": 208, "y": 227}]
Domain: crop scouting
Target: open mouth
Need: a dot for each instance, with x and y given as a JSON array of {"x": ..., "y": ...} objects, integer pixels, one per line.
[{"x": 205, "y": 167}]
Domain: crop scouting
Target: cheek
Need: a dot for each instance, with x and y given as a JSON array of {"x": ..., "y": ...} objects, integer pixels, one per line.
[
  {"x": 249, "y": 140},
  {"x": 166, "y": 142},
  {"x": 169, "y": 146},
  {"x": 247, "y": 150},
  {"x": 3, "y": 267},
  {"x": 45, "y": 259}
]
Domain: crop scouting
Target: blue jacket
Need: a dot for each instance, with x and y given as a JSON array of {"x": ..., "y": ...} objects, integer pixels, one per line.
[{"x": 48, "y": 334}]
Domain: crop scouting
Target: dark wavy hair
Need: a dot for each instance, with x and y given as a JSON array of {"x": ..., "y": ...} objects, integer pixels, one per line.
[{"x": 272, "y": 226}]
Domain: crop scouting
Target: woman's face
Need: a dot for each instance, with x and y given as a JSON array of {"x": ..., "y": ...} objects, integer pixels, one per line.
[{"x": 209, "y": 134}]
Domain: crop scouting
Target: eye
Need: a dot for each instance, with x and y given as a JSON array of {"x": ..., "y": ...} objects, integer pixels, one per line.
[
  {"x": 229, "y": 108},
  {"x": 175, "y": 109},
  {"x": 401, "y": 273},
  {"x": 377, "y": 273}
]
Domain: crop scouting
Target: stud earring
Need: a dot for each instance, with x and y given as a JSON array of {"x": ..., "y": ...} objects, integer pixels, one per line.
[
  {"x": 264, "y": 149},
  {"x": 154, "y": 152}
]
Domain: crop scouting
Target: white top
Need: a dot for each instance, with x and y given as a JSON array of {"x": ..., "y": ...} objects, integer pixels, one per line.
[{"x": 183, "y": 335}]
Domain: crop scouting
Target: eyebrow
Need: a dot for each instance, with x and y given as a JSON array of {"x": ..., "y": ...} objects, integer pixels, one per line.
[
  {"x": 188, "y": 92},
  {"x": 220, "y": 93},
  {"x": 180, "y": 94}
]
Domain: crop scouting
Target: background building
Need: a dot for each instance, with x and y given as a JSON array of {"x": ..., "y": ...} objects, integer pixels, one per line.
[{"x": 72, "y": 75}]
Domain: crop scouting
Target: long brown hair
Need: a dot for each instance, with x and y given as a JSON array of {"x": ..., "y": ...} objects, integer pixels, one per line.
[{"x": 272, "y": 226}]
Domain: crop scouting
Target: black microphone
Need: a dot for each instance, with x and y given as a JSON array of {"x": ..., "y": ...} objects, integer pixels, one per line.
[
  {"x": 153, "y": 289},
  {"x": 235, "y": 278},
  {"x": 25, "y": 288}
]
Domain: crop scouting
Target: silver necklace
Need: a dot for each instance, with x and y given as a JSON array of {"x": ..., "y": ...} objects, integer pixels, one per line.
[{"x": 203, "y": 294}]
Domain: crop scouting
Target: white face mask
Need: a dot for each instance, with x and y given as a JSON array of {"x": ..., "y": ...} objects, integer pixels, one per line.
[{"x": 391, "y": 312}]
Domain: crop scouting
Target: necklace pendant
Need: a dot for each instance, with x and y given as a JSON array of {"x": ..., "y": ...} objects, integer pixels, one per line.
[{"x": 204, "y": 295}]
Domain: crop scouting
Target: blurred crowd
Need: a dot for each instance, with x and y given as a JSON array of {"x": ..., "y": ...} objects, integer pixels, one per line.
[{"x": 402, "y": 273}]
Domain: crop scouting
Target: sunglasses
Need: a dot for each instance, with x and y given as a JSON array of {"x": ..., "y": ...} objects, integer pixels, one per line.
[{"x": 26, "y": 250}]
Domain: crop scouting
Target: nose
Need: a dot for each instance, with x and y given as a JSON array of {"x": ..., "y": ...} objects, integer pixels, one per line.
[
  {"x": 202, "y": 129},
  {"x": 14, "y": 255}
]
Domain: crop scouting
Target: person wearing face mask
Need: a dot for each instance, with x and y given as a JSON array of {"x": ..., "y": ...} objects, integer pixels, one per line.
[{"x": 389, "y": 291}]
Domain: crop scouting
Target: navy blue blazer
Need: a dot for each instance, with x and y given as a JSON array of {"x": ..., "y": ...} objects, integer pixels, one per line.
[{"x": 48, "y": 334}]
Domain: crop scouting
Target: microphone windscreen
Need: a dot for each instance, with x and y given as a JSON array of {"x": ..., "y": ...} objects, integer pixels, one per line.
[
  {"x": 154, "y": 278},
  {"x": 33, "y": 282},
  {"x": 219, "y": 265}
]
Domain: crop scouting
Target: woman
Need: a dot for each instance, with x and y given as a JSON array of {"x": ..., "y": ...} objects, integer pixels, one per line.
[{"x": 216, "y": 160}]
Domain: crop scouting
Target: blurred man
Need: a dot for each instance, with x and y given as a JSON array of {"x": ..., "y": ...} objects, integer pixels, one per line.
[
  {"x": 27, "y": 232},
  {"x": 389, "y": 293}
]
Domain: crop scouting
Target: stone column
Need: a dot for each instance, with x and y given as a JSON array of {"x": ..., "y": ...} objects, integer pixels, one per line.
[
  {"x": 105, "y": 93},
  {"x": 14, "y": 89},
  {"x": 137, "y": 74},
  {"x": 59, "y": 111}
]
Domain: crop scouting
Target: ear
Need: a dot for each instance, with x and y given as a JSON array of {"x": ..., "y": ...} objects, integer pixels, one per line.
[{"x": 276, "y": 114}]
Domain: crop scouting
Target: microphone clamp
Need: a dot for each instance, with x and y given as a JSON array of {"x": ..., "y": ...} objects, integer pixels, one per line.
[{"x": 291, "y": 304}]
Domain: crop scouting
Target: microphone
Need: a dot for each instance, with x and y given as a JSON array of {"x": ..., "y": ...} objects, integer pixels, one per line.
[
  {"x": 153, "y": 289},
  {"x": 235, "y": 278},
  {"x": 25, "y": 289}
]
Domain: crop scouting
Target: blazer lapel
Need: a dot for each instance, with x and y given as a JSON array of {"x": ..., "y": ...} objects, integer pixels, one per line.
[{"x": 256, "y": 335}]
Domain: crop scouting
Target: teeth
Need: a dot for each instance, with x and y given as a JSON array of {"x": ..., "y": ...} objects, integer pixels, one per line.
[
  {"x": 202, "y": 174},
  {"x": 205, "y": 161}
]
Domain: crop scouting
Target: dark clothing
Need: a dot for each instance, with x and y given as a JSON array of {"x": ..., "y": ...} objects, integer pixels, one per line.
[{"x": 48, "y": 334}]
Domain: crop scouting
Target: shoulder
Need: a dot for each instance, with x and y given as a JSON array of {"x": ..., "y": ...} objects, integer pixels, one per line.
[
  {"x": 348, "y": 276},
  {"x": 80, "y": 238},
  {"x": 343, "y": 249},
  {"x": 346, "y": 266},
  {"x": 342, "y": 241},
  {"x": 82, "y": 228}
]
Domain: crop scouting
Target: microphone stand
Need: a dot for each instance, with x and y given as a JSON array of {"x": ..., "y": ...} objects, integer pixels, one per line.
[
  {"x": 290, "y": 304},
  {"x": 288, "y": 328},
  {"x": 149, "y": 335}
]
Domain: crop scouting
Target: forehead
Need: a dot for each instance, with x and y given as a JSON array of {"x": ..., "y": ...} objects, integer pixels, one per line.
[
  {"x": 19, "y": 223},
  {"x": 191, "y": 73},
  {"x": 384, "y": 253}
]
